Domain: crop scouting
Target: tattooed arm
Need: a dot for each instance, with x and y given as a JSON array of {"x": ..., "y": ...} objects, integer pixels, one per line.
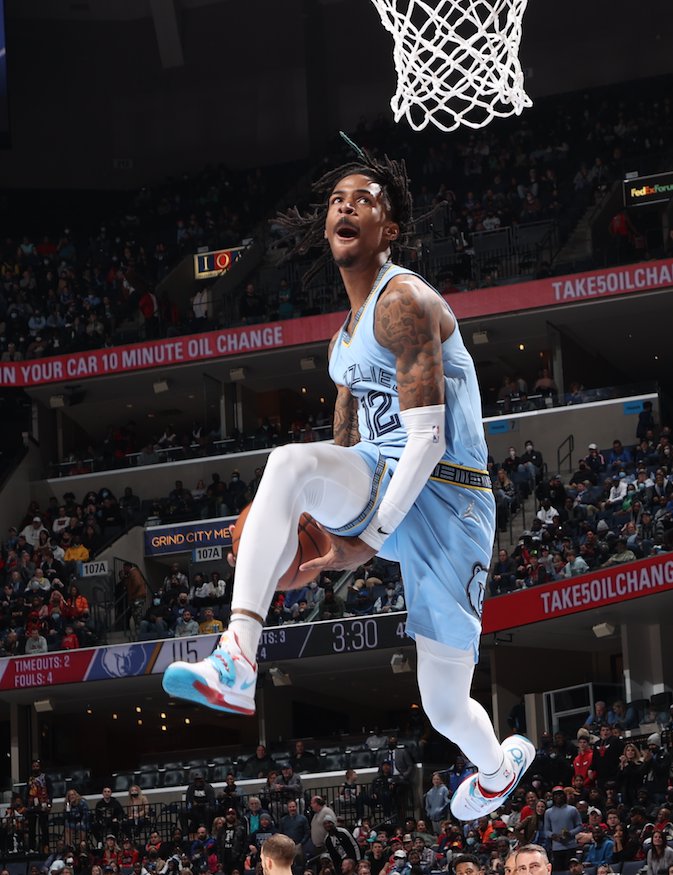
[
  {"x": 345, "y": 427},
  {"x": 412, "y": 322}
]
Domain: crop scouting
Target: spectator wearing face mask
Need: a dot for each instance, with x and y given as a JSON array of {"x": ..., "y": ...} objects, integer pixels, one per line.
[{"x": 390, "y": 601}]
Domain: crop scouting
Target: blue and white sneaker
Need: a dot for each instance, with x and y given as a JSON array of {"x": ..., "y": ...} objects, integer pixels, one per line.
[
  {"x": 471, "y": 801},
  {"x": 225, "y": 680}
]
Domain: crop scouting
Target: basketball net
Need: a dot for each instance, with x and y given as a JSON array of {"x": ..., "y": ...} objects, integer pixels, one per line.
[{"x": 456, "y": 60}]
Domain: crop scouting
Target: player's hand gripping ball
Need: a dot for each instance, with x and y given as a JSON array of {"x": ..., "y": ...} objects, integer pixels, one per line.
[{"x": 313, "y": 542}]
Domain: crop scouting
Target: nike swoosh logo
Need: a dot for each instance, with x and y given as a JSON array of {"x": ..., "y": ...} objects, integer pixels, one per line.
[
  {"x": 381, "y": 532},
  {"x": 247, "y": 684}
]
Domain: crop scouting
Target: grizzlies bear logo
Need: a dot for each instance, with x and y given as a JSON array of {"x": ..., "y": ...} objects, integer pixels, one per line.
[
  {"x": 476, "y": 588},
  {"x": 121, "y": 662}
]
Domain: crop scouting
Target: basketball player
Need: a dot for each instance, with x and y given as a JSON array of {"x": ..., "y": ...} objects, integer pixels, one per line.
[{"x": 406, "y": 479}]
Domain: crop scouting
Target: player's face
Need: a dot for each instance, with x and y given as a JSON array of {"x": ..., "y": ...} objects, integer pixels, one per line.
[{"x": 357, "y": 227}]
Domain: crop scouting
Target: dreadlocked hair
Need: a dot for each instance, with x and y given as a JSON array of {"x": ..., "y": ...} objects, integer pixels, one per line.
[{"x": 308, "y": 228}]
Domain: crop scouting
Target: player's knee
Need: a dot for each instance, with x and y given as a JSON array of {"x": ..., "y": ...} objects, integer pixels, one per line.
[{"x": 288, "y": 462}]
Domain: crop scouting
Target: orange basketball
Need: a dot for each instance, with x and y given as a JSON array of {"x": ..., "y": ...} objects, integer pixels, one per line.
[{"x": 313, "y": 542}]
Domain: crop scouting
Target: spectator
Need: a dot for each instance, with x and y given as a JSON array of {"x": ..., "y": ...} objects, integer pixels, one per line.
[
  {"x": 186, "y": 625},
  {"x": 209, "y": 625},
  {"x": 35, "y": 643},
  {"x": 562, "y": 823},
  {"x": 626, "y": 717},
  {"x": 389, "y": 602},
  {"x": 38, "y": 796},
  {"x": 545, "y": 384},
  {"x": 303, "y": 760},
  {"x": 600, "y": 849},
  {"x": 258, "y": 765},
  {"x": 253, "y": 814},
  {"x": 656, "y": 769},
  {"x": 531, "y": 828},
  {"x": 32, "y": 532},
  {"x": 532, "y": 463},
  {"x": 76, "y": 818},
  {"x": 231, "y": 842},
  {"x": 76, "y": 554},
  {"x": 595, "y": 461},
  {"x": 606, "y": 757},
  {"x": 257, "y": 838},
  {"x": 503, "y": 574},
  {"x": 619, "y": 458},
  {"x": 137, "y": 809},
  {"x": 621, "y": 555},
  {"x": 69, "y": 641},
  {"x": 321, "y": 811},
  {"x": 582, "y": 762},
  {"x": 436, "y": 801},
  {"x": 108, "y": 815},
  {"x": 295, "y": 826},
  {"x": 339, "y": 843},
  {"x": 574, "y": 564},
  {"x": 660, "y": 856},
  {"x": 332, "y": 606}
]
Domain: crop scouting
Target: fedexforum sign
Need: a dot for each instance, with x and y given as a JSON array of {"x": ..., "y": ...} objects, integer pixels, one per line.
[{"x": 644, "y": 190}]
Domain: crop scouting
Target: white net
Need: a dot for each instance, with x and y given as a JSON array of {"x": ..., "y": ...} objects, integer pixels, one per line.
[{"x": 456, "y": 60}]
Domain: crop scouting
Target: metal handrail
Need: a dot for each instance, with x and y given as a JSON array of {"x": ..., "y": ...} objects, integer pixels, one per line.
[{"x": 561, "y": 457}]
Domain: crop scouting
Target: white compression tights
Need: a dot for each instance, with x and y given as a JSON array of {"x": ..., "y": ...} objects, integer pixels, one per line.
[
  {"x": 444, "y": 679},
  {"x": 334, "y": 486},
  {"x": 327, "y": 481}
]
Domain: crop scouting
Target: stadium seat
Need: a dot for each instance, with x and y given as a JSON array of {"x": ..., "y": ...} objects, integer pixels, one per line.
[
  {"x": 332, "y": 762},
  {"x": 359, "y": 759},
  {"x": 174, "y": 778},
  {"x": 122, "y": 781},
  {"x": 148, "y": 780}
]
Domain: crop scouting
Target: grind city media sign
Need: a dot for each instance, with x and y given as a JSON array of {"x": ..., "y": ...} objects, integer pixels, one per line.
[
  {"x": 185, "y": 537},
  {"x": 645, "y": 190}
]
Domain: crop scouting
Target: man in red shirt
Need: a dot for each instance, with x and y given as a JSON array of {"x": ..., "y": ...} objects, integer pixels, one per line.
[{"x": 582, "y": 762}]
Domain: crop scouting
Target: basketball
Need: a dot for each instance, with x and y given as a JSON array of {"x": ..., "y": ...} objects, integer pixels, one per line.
[{"x": 313, "y": 542}]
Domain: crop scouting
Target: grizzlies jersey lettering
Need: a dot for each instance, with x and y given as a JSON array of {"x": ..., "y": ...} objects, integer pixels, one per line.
[{"x": 368, "y": 370}]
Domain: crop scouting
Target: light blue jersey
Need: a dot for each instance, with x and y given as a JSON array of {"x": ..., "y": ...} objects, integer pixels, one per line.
[
  {"x": 444, "y": 543},
  {"x": 367, "y": 369}
]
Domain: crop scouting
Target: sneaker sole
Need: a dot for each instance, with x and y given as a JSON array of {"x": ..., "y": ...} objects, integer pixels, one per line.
[
  {"x": 465, "y": 812},
  {"x": 182, "y": 683}
]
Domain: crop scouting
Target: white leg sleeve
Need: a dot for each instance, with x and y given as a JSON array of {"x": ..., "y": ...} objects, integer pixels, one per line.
[
  {"x": 444, "y": 679},
  {"x": 327, "y": 481}
]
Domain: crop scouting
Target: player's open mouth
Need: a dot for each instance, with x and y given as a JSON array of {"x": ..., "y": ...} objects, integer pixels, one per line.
[{"x": 346, "y": 232}]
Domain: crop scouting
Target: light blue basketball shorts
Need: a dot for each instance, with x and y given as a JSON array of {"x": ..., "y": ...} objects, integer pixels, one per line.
[{"x": 443, "y": 546}]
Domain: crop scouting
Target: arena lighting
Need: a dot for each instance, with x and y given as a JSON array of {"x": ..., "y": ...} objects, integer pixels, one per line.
[
  {"x": 236, "y": 375},
  {"x": 479, "y": 338},
  {"x": 399, "y": 663},
  {"x": 279, "y": 678},
  {"x": 161, "y": 386},
  {"x": 43, "y": 706},
  {"x": 603, "y": 630},
  {"x": 307, "y": 363}
]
